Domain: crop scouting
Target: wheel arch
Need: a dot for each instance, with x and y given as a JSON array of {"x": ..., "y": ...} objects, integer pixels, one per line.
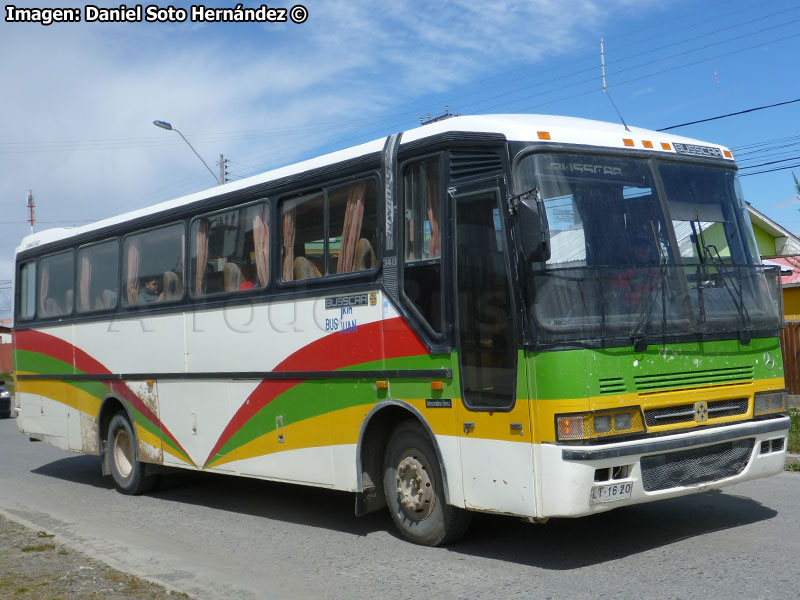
[
  {"x": 373, "y": 438},
  {"x": 111, "y": 405}
]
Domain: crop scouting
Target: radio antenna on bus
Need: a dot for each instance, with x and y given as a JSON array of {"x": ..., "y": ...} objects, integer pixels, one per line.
[{"x": 605, "y": 89}]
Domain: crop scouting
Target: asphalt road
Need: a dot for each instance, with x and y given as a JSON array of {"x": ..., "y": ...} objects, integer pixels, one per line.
[{"x": 224, "y": 537}]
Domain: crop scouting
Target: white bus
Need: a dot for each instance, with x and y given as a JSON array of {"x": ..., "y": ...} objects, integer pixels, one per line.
[{"x": 519, "y": 314}]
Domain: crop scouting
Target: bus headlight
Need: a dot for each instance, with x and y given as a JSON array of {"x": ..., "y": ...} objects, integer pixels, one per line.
[
  {"x": 585, "y": 426},
  {"x": 765, "y": 403}
]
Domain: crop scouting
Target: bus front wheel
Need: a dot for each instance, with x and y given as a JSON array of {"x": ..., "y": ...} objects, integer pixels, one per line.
[
  {"x": 127, "y": 471},
  {"x": 412, "y": 482}
]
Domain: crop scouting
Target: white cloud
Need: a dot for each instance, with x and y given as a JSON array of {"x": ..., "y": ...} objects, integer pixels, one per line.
[{"x": 349, "y": 63}]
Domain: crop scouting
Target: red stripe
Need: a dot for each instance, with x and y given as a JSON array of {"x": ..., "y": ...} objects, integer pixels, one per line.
[
  {"x": 42, "y": 343},
  {"x": 381, "y": 340}
]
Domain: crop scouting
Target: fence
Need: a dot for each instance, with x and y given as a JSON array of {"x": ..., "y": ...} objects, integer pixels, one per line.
[{"x": 790, "y": 346}]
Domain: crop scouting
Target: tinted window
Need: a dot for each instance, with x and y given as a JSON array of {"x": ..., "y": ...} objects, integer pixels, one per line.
[
  {"x": 27, "y": 290},
  {"x": 56, "y": 280},
  {"x": 422, "y": 273},
  {"x": 230, "y": 251},
  {"x": 153, "y": 266},
  {"x": 330, "y": 232},
  {"x": 98, "y": 277}
]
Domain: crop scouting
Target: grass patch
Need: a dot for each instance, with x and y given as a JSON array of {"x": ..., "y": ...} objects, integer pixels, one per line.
[
  {"x": 794, "y": 431},
  {"x": 39, "y": 547}
]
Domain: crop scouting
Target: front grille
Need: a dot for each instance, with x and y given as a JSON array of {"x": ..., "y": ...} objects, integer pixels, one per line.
[
  {"x": 5, "y": 405},
  {"x": 692, "y": 378},
  {"x": 684, "y": 413},
  {"x": 698, "y": 465}
]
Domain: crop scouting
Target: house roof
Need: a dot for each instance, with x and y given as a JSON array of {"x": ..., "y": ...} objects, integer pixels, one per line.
[
  {"x": 786, "y": 243},
  {"x": 790, "y": 269}
]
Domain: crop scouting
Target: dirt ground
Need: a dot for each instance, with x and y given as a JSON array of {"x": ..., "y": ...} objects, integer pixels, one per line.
[{"x": 33, "y": 565}]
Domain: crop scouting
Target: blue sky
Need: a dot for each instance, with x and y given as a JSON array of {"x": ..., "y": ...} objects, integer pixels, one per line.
[{"x": 79, "y": 99}]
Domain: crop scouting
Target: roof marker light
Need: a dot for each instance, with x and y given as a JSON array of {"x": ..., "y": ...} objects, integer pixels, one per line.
[
  {"x": 543, "y": 135},
  {"x": 665, "y": 146},
  {"x": 647, "y": 144},
  {"x": 627, "y": 142}
]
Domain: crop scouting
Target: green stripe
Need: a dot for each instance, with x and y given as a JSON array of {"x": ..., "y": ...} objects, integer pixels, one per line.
[
  {"x": 314, "y": 398},
  {"x": 35, "y": 362},
  {"x": 586, "y": 373},
  {"x": 151, "y": 427}
]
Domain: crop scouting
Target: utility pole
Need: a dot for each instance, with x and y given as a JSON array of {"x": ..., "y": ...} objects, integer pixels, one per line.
[
  {"x": 31, "y": 207},
  {"x": 223, "y": 171}
]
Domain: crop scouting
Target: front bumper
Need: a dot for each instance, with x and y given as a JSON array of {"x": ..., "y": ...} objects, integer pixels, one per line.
[{"x": 664, "y": 467}]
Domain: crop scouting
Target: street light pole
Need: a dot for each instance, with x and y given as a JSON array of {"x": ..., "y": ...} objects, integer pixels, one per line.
[{"x": 169, "y": 127}]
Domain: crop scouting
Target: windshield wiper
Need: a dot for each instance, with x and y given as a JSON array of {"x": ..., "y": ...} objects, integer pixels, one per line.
[
  {"x": 741, "y": 308},
  {"x": 639, "y": 333}
]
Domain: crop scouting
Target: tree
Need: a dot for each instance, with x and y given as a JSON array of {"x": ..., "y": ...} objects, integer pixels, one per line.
[{"x": 796, "y": 184}]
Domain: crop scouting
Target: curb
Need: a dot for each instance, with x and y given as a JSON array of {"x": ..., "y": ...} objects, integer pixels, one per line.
[
  {"x": 83, "y": 549},
  {"x": 792, "y": 458}
]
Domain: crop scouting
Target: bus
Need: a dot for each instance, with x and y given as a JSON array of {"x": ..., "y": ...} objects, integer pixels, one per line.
[{"x": 526, "y": 315}]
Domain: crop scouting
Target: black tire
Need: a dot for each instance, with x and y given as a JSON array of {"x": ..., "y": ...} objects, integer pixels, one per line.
[
  {"x": 123, "y": 458},
  {"x": 412, "y": 482}
]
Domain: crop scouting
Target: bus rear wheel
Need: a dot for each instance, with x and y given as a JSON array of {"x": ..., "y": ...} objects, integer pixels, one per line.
[
  {"x": 128, "y": 473},
  {"x": 413, "y": 485}
]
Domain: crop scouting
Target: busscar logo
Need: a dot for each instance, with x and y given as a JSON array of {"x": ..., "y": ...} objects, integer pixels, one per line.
[
  {"x": 697, "y": 150},
  {"x": 342, "y": 301}
]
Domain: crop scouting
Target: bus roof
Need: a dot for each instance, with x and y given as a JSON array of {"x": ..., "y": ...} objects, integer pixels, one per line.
[{"x": 544, "y": 128}]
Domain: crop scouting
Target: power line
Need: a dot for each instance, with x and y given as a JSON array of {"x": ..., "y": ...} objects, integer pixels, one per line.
[
  {"x": 771, "y": 170},
  {"x": 741, "y": 112}
]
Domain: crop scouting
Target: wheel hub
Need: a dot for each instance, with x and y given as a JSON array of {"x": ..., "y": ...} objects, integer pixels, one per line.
[
  {"x": 123, "y": 453},
  {"x": 414, "y": 487}
]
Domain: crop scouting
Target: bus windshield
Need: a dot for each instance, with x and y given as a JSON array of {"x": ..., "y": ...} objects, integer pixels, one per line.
[{"x": 642, "y": 248}]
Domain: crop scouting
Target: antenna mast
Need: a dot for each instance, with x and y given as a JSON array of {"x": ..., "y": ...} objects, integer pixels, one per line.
[
  {"x": 31, "y": 207},
  {"x": 605, "y": 89}
]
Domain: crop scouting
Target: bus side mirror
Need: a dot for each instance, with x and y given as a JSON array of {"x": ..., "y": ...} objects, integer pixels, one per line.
[{"x": 534, "y": 229}]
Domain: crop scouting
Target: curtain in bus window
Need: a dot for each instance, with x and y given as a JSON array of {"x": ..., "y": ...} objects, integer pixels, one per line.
[
  {"x": 84, "y": 302},
  {"x": 433, "y": 208},
  {"x": 132, "y": 271},
  {"x": 351, "y": 232},
  {"x": 288, "y": 242},
  {"x": 202, "y": 256},
  {"x": 261, "y": 242},
  {"x": 44, "y": 284}
]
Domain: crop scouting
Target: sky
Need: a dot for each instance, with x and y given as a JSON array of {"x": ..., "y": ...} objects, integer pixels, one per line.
[{"x": 79, "y": 99}]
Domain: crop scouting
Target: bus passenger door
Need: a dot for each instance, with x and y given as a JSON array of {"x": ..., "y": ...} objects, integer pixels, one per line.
[{"x": 494, "y": 425}]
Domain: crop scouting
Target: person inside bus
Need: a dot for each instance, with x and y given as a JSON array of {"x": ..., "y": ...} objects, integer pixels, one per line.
[
  {"x": 150, "y": 291},
  {"x": 247, "y": 277},
  {"x": 633, "y": 283}
]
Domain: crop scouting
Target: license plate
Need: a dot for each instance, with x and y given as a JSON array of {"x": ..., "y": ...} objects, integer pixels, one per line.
[{"x": 611, "y": 492}]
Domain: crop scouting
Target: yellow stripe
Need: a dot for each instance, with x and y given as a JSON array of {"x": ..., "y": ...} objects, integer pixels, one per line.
[
  {"x": 61, "y": 392},
  {"x": 544, "y": 411},
  {"x": 147, "y": 437},
  {"x": 309, "y": 433}
]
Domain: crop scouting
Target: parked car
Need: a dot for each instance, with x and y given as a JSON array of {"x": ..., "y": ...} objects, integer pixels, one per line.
[{"x": 5, "y": 401}]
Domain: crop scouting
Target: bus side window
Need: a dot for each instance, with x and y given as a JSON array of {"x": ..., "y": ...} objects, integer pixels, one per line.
[
  {"x": 352, "y": 214},
  {"x": 303, "y": 221},
  {"x": 153, "y": 266},
  {"x": 230, "y": 251},
  {"x": 422, "y": 271},
  {"x": 98, "y": 276},
  {"x": 56, "y": 277},
  {"x": 27, "y": 290}
]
